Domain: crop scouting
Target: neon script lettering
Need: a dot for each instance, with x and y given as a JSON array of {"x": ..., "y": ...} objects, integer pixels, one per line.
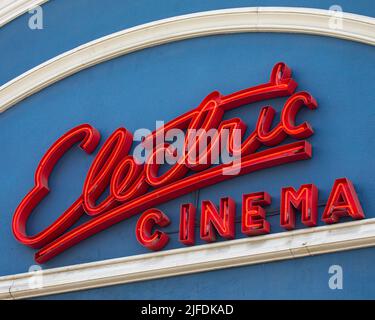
[{"x": 137, "y": 187}]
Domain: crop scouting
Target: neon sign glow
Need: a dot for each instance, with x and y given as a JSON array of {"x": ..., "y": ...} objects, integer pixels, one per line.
[{"x": 134, "y": 187}]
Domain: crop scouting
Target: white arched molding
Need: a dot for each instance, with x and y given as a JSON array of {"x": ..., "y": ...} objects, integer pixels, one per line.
[
  {"x": 256, "y": 19},
  {"x": 11, "y": 9},
  {"x": 220, "y": 255}
]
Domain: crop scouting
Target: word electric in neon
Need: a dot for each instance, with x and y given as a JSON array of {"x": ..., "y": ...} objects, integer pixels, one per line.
[{"x": 136, "y": 188}]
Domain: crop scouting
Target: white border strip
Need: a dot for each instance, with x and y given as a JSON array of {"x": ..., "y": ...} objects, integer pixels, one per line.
[
  {"x": 226, "y": 254},
  {"x": 11, "y": 9},
  {"x": 256, "y": 19}
]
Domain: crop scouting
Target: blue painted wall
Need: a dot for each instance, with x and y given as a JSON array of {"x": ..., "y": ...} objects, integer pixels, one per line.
[{"x": 160, "y": 83}]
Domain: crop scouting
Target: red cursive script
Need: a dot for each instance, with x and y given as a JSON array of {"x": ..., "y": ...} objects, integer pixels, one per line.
[{"x": 130, "y": 183}]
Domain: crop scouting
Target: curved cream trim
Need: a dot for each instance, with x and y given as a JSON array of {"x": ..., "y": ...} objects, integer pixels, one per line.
[
  {"x": 256, "y": 19},
  {"x": 11, "y": 9},
  {"x": 226, "y": 254}
]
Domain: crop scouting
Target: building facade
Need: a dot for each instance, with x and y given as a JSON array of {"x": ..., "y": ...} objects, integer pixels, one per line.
[{"x": 299, "y": 75}]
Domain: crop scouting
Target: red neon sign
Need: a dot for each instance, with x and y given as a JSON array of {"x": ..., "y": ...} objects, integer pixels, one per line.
[
  {"x": 222, "y": 220},
  {"x": 343, "y": 201},
  {"x": 129, "y": 182},
  {"x": 143, "y": 231},
  {"x": 253, "y": 214},
  {"x": 305, "y": 200}
]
